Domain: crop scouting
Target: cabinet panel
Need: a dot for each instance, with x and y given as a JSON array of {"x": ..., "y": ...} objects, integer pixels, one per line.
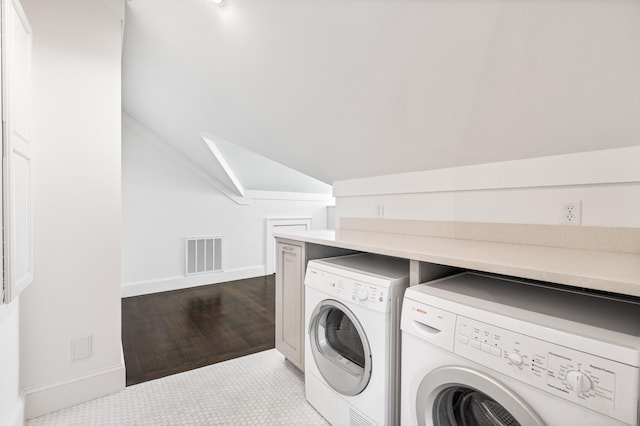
[{"x": 289, "y": 297}]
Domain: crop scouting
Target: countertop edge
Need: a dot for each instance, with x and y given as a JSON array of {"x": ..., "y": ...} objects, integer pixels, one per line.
[{"x": 621, "y": 274}]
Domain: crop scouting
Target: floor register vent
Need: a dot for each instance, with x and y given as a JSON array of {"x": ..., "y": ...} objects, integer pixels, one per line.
[
  {"x": 203, "y": 254},
  {"x": 356, "y": 419}
]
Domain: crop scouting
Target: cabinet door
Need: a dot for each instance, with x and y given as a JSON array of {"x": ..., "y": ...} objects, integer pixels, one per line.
[
  {"x": 289, "y": 301},
  {"x": 16, "y": 140}
]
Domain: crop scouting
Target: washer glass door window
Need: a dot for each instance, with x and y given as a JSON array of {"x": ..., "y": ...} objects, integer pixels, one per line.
[
  {"x": 460, "y": 405},
  {"x": 459, "y": 396},
  {"x": 340, "y": 347}
]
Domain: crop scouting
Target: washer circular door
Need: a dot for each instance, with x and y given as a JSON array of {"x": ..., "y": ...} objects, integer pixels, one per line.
[
  {"x": 340, "y": 347},
  {"x": 459, "y": 396}
]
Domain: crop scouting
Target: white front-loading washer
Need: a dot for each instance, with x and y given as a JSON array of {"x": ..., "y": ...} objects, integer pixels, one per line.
[
  {"x": 483, "y": 350},
  {"x": 352, "y": 349}
]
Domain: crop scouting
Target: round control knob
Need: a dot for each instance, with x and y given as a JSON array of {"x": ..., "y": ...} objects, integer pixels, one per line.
[
  {"x": 516, "y": 358},
  {"x": 578, "y": 381},
  {"x": 363, "y": 294}
]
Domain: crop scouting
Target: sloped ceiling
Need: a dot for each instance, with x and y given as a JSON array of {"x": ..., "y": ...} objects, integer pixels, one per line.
[
  {"x": 340, "y": 89},
  {"x": 259, "y": 173}
]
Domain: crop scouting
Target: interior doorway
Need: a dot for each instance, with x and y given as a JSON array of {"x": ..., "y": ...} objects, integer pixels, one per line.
[{"x": 280, "y": 225}]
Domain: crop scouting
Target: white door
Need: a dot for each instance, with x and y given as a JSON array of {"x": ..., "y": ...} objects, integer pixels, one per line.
[{"x": 16, "y": 149}]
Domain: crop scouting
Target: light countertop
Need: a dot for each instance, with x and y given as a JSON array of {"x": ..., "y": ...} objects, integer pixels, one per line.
[{"x": 610, "y": 271}]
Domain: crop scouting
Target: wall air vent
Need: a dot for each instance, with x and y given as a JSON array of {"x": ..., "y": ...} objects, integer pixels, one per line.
[{"x": 203, "y": 255}]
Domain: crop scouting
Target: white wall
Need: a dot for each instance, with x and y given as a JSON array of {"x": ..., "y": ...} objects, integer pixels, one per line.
[
  {"x": 163, "y": 202},
  {"x": 76, "y": 197},
  {"x": 11, "y": 409},
  {"x": 525, "y": 191}
]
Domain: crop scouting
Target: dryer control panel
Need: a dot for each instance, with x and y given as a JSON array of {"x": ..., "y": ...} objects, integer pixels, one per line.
[
  {"x": 353, "y": 291},
  {"x": 588, "y": 380}
]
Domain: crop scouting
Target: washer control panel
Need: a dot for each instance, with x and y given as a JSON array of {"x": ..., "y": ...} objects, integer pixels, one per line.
[
  {"x": 594, "y": 382},
  {"x": 353, "y": 291}
]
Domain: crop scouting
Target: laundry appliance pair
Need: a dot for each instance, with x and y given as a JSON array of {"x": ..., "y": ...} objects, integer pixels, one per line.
[{"x": 477, "y": 349}]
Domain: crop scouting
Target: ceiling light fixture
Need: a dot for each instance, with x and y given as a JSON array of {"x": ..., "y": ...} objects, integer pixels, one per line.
[{"x": 218, "y": 2}]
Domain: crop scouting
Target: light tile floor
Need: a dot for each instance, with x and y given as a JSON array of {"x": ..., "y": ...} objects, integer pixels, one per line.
[{"x": 258, "y": 389}]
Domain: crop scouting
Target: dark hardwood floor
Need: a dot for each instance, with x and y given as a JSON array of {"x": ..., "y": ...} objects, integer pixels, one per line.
[{"x": 175, "y": 331}]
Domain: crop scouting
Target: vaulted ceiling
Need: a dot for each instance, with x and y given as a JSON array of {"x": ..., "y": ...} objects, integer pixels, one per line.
[{"x": 340, "y": 89}]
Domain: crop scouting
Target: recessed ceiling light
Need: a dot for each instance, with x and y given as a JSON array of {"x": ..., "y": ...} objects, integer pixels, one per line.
[{"x": 217, "y": 1}]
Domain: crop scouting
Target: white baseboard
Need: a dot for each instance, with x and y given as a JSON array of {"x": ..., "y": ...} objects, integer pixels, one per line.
[
  {"x": 138, "y": 288},
  {"x": 47, "y": 399}
]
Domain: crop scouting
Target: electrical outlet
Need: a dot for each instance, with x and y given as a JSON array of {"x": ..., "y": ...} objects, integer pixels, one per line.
[{"x": 572, "y": 213}]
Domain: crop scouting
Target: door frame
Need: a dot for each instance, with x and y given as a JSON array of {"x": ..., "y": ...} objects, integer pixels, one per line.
[{"x": 271, "y": 225}]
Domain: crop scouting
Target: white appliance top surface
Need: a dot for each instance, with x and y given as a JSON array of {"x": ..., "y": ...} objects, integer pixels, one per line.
[
  {"x": 491, "y": 293},
  {"x": 383, "y": 267}
]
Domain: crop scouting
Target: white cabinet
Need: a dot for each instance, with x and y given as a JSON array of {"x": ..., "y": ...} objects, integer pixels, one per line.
[{"x": 291, "y": 263}]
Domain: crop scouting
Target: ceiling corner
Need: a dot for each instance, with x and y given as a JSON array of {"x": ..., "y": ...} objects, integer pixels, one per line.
[{"x": 116, "y": 6}]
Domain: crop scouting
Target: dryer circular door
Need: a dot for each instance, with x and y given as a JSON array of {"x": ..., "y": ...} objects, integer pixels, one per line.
[
  {"x": 459, "y": 396},
  {"x": 340, "y": 347}
]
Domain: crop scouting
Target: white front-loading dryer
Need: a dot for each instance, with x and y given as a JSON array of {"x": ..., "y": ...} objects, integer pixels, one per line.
[
  {"x": 483, "y": 350},
  {"x": 352, "y": 350}
]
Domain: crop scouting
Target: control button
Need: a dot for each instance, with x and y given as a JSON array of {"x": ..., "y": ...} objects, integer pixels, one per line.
[
  {"x": 496, "y": 351},
  {"x": 486, "y": 348},
  {"x": 475, "y": 344},
  {"x": 579, "y": 382},
  {"x": 463, "y": 339},
  {"x": 381, "y": 299},
  {"x": 363, "y": 294},
  {"x": 516, "y": 358}
]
